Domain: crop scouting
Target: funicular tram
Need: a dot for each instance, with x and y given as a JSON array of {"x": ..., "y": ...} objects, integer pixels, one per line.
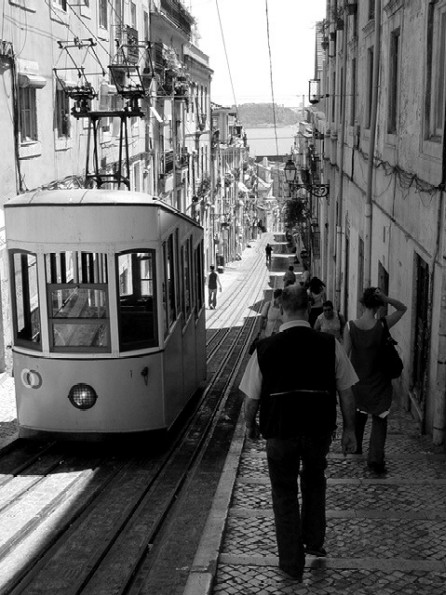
[{"x": 108, "y": 311}]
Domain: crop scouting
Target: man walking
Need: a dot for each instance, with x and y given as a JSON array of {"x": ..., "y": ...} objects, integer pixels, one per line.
[
  {"x": 213, "y": 282},
  {"x": 268, "y": 251},
  {"x": 293, "y": 377}
]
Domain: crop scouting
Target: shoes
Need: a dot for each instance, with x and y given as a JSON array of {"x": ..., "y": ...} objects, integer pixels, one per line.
[
  {"x": 319, "y": 552},
  {"x": 292, "y": 572},
  {"x": 377, "y": 467}
]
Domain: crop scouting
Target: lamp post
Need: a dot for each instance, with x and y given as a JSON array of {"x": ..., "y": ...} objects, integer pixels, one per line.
[{"x": 319, "y": 190}]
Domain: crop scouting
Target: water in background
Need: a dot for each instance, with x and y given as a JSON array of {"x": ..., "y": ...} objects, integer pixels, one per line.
[{"x": 262, "y": 141}]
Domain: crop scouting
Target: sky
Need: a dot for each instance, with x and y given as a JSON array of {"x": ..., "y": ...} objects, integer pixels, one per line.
[{"x": 244, "y": 24}]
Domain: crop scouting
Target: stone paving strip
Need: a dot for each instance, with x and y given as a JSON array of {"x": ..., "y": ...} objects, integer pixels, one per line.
[{"x": 385, "y": 534}]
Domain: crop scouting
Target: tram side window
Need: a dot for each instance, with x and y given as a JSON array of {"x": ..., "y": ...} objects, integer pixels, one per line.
[
  {"x": 187, "y": 279},
  {"x": 199, "y": 276},
  {"x": 137, "y": 303},
  {"x": 169, "y": 287},
  {"x": 77, "y": 289},
  {"x": 25, "y": 297}
]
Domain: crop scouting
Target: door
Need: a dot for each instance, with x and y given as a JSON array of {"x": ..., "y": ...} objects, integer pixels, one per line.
[{"x": 421, "y": 346}]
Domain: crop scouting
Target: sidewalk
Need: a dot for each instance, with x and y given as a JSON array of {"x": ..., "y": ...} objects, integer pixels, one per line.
[{"x": 385, "y": 534}]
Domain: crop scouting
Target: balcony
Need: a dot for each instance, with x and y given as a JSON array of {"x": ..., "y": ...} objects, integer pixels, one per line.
[{"x": 177, "y": 13}]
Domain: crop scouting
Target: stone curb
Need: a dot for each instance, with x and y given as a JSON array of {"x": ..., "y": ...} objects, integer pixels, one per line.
[{"x": 204, "y": 567}]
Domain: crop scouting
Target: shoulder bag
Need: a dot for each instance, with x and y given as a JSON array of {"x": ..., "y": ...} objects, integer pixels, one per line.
[{"x": 390, "y": 361}]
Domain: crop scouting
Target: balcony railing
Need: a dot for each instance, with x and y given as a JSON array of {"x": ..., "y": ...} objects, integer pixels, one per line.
[{"x": 175, "y": 10}]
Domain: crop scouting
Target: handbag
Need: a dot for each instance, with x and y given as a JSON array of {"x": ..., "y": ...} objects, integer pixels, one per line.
[{"x": 390, "y": 362}]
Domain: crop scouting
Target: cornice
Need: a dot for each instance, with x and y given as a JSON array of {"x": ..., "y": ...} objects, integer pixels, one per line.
[
  {"x": 393, "y": 6},
  {"x": 369, "y": 28}
]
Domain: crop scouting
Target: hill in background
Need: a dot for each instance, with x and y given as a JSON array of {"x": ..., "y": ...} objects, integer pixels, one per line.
[{"x": 260, "y": 115}]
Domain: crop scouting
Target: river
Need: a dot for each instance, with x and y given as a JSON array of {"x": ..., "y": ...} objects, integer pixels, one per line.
[{"x": 262, "y": 141}]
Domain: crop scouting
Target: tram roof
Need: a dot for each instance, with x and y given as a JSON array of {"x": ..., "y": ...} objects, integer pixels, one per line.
[
  {"x": 78, "y": 196},
  {"x": 91, "y": 197}
]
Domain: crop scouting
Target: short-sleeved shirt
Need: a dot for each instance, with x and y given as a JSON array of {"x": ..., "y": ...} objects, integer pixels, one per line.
[{"x": 346, "y": 377}]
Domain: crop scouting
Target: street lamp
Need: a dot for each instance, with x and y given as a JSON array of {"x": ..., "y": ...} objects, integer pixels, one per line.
[
  {"x": 291, "y": 177},
  {"x": 319, "y": 190}
]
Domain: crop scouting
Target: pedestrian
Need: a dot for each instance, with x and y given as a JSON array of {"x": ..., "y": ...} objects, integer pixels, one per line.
[
  {"x": 213, "y": 283},
  {"x": 292, "y": 378},
  {"x": 330, "y": 321},
  {"x": 373, "y": 393},
  {"x": 289, "y": 277},
  {"x": 305, "y": 277},
  {"x": 268, "y": 251},
  {"x": 271, "y": 315},
  {"x": 317, "y": 298}
]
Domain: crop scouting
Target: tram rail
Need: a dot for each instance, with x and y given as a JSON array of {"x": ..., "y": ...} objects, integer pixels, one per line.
[{"x": 96, "y": 519}]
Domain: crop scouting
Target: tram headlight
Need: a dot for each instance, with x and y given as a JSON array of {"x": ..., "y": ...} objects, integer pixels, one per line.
[{"x": 82, "y": 396}]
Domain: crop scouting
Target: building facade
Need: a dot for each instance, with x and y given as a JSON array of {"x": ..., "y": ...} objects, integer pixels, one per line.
[
  {"x": 110, "y": 93},
  {"x": 383, "y": 95}
]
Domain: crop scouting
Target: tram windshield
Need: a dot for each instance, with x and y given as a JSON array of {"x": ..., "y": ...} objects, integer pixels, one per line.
[
  {"x": 77, "y": 301},
  {"x": 137, "y": 304},
  {"x": 26, "y": 300}
]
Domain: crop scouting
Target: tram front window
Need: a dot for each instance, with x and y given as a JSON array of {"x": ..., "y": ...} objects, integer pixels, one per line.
[
  {"x": 77, "y": 301},
  {"x": 137, "y": 303},
  {"x": 26, "y": 300}
]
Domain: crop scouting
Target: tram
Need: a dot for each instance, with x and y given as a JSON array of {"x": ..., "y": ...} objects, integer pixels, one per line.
[{"x": 107, "y": 293}]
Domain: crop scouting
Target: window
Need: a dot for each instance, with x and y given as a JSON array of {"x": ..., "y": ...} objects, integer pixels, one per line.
[
  {"x": 146, "y": 26},
  {"x": 353, "y": 93},
  {"x": 77, "y": 289},
  {"x": 25, "y": 298},
  {"x": 62, "y": 4},
  {"x": 133, "y": 14},
  {"x": 187, "y": 279},
  {"x": 62, "y": 109},
  {"x": 103, "y": 16},
  {"x": 394, "y": 59},
  {"x": 137, "y": 301},
  {"x": 369, "y": 96},
  {"x": 28, "y": 114},
  {"x": 169, "y": 287},
  {"x": 371, "y": 13},
  {"x": 199, "y": 276},
  {"x": 436, "y": 79}
]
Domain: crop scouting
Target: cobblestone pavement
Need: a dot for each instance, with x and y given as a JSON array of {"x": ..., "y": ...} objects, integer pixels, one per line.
[{"x": 385, "y": 534}]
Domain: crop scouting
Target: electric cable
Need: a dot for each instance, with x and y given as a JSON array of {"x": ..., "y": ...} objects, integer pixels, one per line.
[
  {"x": 226, "y": 55},
  {"x": 271, "y": 77}
]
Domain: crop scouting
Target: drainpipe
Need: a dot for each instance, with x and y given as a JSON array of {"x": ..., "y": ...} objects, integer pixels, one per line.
[
  {"x": 370, "y": 168},
  {"x": 439, "y": 413},
  {"x": 339, "y": 222}
]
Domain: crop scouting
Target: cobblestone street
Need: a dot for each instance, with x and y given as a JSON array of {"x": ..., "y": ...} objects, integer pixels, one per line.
[{"x": 385, "y": 534}]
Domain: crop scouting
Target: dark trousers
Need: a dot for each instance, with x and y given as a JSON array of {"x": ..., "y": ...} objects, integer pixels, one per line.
[
  {"x": 212, "y": 297},
  {"x": 295, "y": 527},
  {"x": 378, "y": 436}
]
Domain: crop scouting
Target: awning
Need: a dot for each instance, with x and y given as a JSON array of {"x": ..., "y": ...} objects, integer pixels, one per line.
[
  {"x": 29, "y": 74},
  {"x": 31, "y": 80},
  {"x": 156, "y": 114}
]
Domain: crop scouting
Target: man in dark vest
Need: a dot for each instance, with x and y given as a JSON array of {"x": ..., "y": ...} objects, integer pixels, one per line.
[
  {"x": 293, "y": 377},
  {"x": 213, "y": 280}
]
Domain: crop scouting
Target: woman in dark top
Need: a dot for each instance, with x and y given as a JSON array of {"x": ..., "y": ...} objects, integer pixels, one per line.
[
  {"x": 317, "y": 298},
  {"x": 373, "y": 392}
]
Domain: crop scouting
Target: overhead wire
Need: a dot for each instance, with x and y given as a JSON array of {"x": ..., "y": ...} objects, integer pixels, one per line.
[
  {"x": 226, "y": 56},
  {"x": 271, "y": 77}
]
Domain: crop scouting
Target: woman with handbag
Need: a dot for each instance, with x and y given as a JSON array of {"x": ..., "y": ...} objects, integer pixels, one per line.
[
  {"x": 364, "y": 339},
  {"x": 271, "y": 315}
]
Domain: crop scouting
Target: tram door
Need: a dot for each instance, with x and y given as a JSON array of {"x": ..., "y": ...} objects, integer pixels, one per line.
[{"x": 421, "y": 346}]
